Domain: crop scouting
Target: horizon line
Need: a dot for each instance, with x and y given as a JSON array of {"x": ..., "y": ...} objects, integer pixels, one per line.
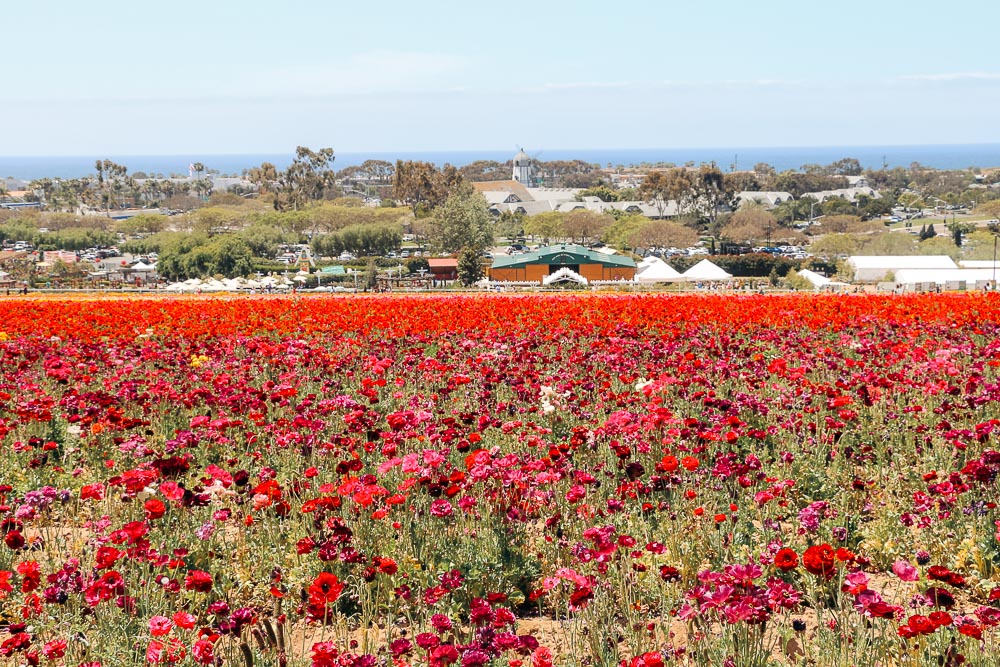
[{"x": 513, "y": 150}]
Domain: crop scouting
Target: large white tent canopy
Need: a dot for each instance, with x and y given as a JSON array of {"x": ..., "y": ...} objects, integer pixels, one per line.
[
  {"x": 655, "y": 270},
  {"x": 943, "y": 276},
  {"x": 706, "y": 270}
]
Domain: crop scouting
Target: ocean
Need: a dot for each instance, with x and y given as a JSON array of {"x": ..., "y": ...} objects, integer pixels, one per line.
[{"x": 942, "y": 156}]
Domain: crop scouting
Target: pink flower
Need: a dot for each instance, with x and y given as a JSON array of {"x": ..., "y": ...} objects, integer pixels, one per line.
[
  {"x": 441, "y": 507},
  {"x": 160, "y": 626},
  {"x": 905, "y": 571}
]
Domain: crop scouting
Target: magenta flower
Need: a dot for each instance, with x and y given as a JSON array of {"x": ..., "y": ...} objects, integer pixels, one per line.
[{"x": 905, "y": 571}]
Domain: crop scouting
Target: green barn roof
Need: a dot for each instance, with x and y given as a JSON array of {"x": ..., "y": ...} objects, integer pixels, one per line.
[
  {"x": 335, "y": 270},
  {"x": 561, "y": 254}
]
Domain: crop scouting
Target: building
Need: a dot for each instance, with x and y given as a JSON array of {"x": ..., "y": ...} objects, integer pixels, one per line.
[
  {"x": 443, "y": 268},
  {"x": 536, "y": 265},
  {"x": 766, "y": 199},
  {"x": 524, "y": 169},
  {"x": 873, "y": 268},
  {"x": 848, "y": 194},
  {"x": 518, "y": 196}
]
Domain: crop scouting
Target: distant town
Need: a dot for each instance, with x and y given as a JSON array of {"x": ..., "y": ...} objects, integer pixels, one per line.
[{"x": 521, "y": 224}]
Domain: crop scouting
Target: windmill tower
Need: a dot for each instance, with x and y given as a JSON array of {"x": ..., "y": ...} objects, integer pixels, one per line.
[{"x": 524, "y": 169}]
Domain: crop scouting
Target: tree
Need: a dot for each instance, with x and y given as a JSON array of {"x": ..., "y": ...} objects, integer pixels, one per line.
[
  {"x": 548, "y": 225},
  {"x": 847, "y": 166},
  {"x": 834, "y": 245},
  {"x": 602, "y": 192},
  {"x": 486, "y": 170},
  {"x": 470, "y": 266},
  {"x": 309, "y": 178},
  {"x": 940, "y": 246},
  {"x": 848, "y": 224},
  {"x": 371, "y": 274},
  {"x": 265, "y": 177},
  {"x": 586, "y": 225},
  {"x": 462, "y": 221},
  {"x": 764, "y": 171},
  {"x": 110, "y": 182},
  {"x": 664, "y": 234},
  {"x": 661, "y": 187},
  {"x": 196, "y": 256},
  {"x": 891, "y": 243},
  {"x": 742, "y": 181},
  {"x": 621, "y": 231},
  {"x": 145, "y": 223},
  {"x": 264, "y": 240},
  {"x": 416, "y": 183},
  {"x": 417, "y": 264},
  {"x": 749, "y": 224},
  {"x": 378, "y": 171},
  {"x": 509, "y": 225},
  {"x": 710, "y": 192}
]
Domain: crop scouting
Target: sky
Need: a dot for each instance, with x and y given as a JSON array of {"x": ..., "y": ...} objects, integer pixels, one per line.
[{"x": 123, "y": 77}]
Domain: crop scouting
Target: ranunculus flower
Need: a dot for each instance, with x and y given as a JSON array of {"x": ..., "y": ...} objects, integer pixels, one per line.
[
  {"x": 199, "y": 581},
  {"x": 160, "y": 626},
  {"x": 905, "y": 571}
]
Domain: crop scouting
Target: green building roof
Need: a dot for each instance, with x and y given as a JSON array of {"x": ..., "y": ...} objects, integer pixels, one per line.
[
  {"x": 562, "y": 254},
  {"x": 335, "y": 270}
]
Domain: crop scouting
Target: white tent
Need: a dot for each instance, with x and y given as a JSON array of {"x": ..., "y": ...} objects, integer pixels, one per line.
[
  {"x": 978, "y": 264},
  {"x": 656, "y": 271},
  {"x": 971, "y": 277},
  {"x": 818, "y": 281},
  {"x": 705, "y": 270},
  {"x": 142, "y": 267},
  {"x": 870, "y": 268}
]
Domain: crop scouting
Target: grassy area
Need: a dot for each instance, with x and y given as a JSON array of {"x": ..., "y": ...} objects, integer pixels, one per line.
[{"x": 978, "y": 220}]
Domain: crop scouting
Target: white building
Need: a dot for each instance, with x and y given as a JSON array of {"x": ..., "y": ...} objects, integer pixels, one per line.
[
  {"x": 524, "y": 169},
  {"x": 765, "y": 199},
  {"x": 873, "y": 268}
]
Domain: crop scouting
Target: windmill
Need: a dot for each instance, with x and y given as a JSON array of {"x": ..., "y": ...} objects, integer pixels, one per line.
[{"x": 524, "y": 168}]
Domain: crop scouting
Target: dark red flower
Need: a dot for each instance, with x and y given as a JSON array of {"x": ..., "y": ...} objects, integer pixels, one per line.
[{"x": 199, "y": 581}]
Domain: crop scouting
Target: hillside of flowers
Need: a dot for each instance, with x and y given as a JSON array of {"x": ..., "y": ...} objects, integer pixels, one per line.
[{"x": 515, "y": 481}]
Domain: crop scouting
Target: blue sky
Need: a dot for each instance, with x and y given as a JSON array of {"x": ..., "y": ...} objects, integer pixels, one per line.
[{"x": 126, "y": 78}]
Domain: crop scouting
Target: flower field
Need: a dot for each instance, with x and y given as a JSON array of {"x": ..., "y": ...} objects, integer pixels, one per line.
[{"x": 522, "y": 481}]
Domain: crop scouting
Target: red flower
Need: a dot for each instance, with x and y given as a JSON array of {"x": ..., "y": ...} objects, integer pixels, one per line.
[
  {"x": 921, "y": 625},
  {"x": 14, "y": 540},
  {"x": 325, "y": 589},
  {"x": 198, "y": 581},
  {"x": 818, "y": 560},
  {"x": 54, "y": 649},
  {"x": 31, "y": 575},
  {"x": 786, "y": 559},
  {"x": 940, "y": 618},
  {"x": 154, "y": 508}
]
